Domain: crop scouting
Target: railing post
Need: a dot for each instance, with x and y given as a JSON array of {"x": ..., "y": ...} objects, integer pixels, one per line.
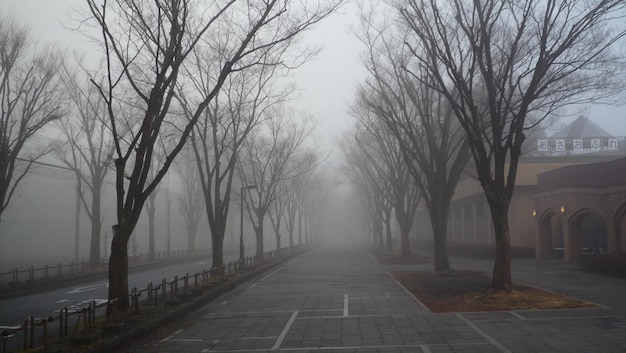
[
  {"x": 149, "y": 289},
  {"x": 59, "y": 270},
  {"x": 156, "y": 296},
  {"x": 186, "y": 282},
  {"x": 61, "y": 320},
  {"x": 83, "y": 313},
  {"x": 65, "y": 321},
  {"x": 15, "y": 274},
  {"x": 44, "y": 323},
  {"x": 172, "y": 288},
  {"x": 25, "y": 329},
  {"x": 164, "y": 288},
  {"x": 31, "y": 274},
  {"x": 46, "y": 272},
  {"x": 93, "y": 313},
  {"x": 32, "y": 332}
]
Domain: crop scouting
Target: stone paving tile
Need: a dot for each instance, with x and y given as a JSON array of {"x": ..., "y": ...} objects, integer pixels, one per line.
[{"x": 343, "y": 301}]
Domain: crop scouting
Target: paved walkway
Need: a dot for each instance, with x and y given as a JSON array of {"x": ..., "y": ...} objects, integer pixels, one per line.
[{"x": 340, "y": 300}]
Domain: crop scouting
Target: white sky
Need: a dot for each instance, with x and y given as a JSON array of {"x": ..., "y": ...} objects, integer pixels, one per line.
[{"x": 327, "y": 83}]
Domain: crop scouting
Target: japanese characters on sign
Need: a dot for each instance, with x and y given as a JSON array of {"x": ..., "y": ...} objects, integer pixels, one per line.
[{"x": 578, "y": 145}]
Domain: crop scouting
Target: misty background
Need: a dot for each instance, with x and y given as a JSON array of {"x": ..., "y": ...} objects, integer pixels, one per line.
[{"x": 39, "y": 226}]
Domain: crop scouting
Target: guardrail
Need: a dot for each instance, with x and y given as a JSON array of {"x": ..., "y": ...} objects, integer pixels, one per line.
[
  {"x": 82, "y": 316},
  {"x": 33, "y": 274}
]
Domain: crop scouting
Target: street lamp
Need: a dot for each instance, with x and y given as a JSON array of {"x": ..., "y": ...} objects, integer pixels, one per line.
[{"x": 244, "y": 188}]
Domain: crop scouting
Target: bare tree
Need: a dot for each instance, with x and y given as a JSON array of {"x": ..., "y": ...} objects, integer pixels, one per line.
[
  {"x": 511, "y": 59},
  {"x": 267, "y": 160},
  {"x": 145, "y": 45},
  {"x": 191, "y": 198},
  {"x": 386, "y": 155},
  {"x": 365, "y": 169},
  {"x": 432, "y": 142},
  {"x": 31, "y": 97},
  {"x": 243, "y": 102},
  {"x": 277, "y": 212},
  {"x": 90, "y": 149}
]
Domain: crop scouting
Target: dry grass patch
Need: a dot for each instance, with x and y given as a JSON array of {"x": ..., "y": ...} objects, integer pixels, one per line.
[{"x": 466, "y": 291}]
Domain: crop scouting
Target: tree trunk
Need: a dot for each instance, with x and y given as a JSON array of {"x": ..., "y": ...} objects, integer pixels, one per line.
[
  {"x": 258, "y": 232},
  {"x": 378, "y": 232},
  {"x": 192, "y": 230},
  {"x": 277, "y": 241},
  {"x": 388, "y": 230},
  {"x": 151, "y": 251},
  {"x": 118, "y": 267},
  {"x": 300, "y": 228},
  {"x": 96, "y": 229},
  {"x": 405, "y": 246},
  {"x": 217, "y": 241},
  {"x": 501, "y": 278},
  {"x": 439, "y": 221}
]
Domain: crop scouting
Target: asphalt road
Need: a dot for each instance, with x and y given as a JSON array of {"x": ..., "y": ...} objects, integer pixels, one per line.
[{"x": 13, "y": 311}]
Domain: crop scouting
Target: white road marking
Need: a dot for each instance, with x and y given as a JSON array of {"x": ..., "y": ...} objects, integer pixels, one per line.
[
  {"x": 282, "y": 335},
  {"x": 410, "y": 294},
  {"x": 88, "y": 288},
  {"x": 484, "y": 334},
  {"x": 517, "y": 315},
  {"x": 62, "y": 301},
  {"x": 252, "y": 286},
  {"x": 346, "y": 301},
  {"x": 168, "y": 338}
]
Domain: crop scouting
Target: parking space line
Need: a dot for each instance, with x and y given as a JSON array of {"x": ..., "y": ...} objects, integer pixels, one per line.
[
  {"x": 282, "y": 335},
  {"x": 491, "y": 340}
]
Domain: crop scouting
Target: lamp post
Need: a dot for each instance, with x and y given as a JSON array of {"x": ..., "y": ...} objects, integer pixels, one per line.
[{"x": 241, "y": 248}]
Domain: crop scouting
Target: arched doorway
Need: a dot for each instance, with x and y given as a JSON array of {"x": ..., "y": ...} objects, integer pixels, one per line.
[
  {"x": 589, "y": 232},
  {"x": 550, "y": 235}
]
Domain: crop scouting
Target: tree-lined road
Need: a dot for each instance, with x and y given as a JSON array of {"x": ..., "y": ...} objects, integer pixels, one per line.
[{"x": 14, "y": 310}]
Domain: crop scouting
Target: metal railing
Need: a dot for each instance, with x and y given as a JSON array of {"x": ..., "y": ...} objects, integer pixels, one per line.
[
  {"x": 36, "y": 332},
  {"x": 46, "y": 272}
]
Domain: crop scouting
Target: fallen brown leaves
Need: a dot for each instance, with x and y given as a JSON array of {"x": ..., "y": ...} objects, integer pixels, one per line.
[{"x": 466, "y": 291}]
